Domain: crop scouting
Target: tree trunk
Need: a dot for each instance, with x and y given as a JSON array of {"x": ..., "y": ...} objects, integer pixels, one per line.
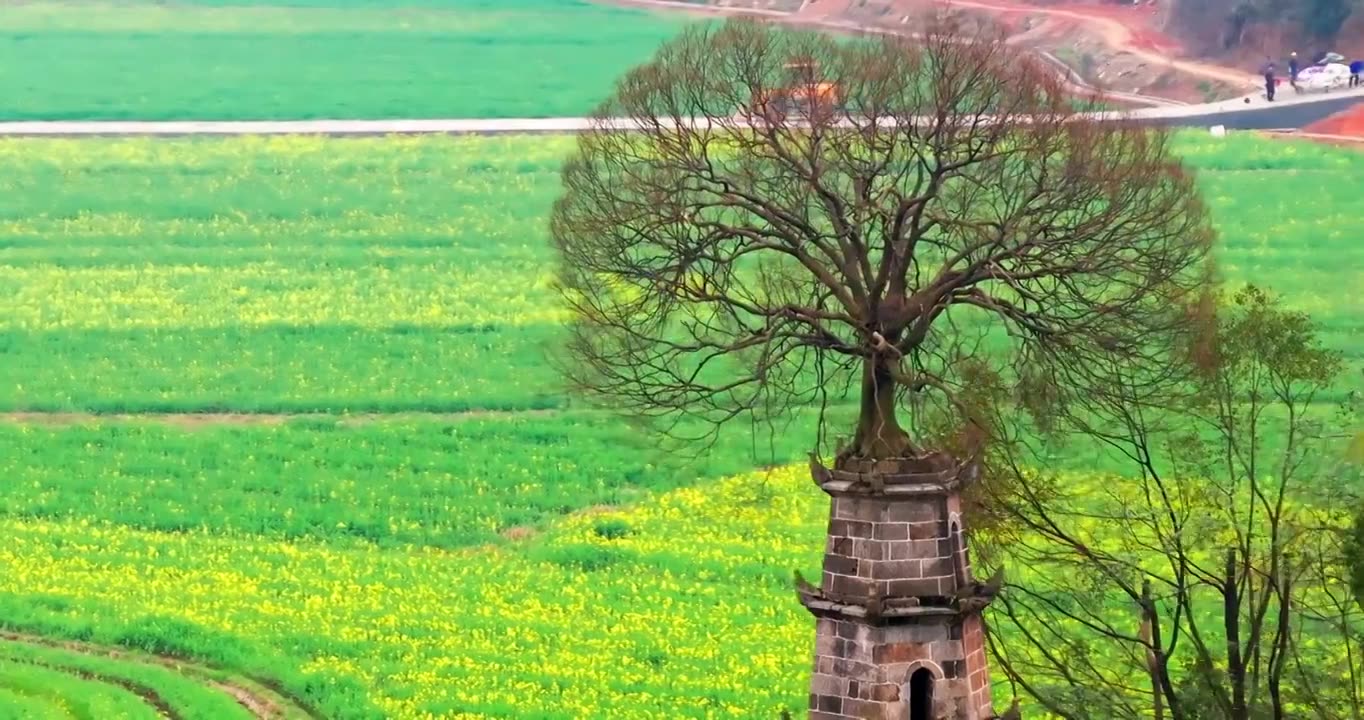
[
  {"x": 1151, "y": 622},
  {"x": 1231, "y": 618},
  {"x": 879, "y": 434},
  {"x": 1280, "y": 655}
]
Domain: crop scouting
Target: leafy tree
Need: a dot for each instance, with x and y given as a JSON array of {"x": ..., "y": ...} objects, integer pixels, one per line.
[{"x": 1206, "y": 586}]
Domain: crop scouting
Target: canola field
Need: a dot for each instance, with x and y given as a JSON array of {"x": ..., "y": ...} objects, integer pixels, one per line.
[
  {"x": 282, "y": 406},
  {"x": 301, "y": 59}
]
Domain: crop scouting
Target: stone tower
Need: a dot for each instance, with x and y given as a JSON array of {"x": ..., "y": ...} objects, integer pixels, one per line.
[{"x": 898, "y": 634}]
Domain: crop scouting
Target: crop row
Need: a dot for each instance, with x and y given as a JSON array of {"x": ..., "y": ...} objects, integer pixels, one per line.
[
  {"x": 396, "y": 482},
  {"x": 306, "y": 274},
  {"x": 80, "y": 685},
  {"x": 680, "y": 608}
]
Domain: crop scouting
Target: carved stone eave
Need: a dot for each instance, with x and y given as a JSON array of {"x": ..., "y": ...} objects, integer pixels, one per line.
[
  {"x": 894, "y": 486},
  {"x": 823, "y": 607},
  {"x": 932, "y": 474}
]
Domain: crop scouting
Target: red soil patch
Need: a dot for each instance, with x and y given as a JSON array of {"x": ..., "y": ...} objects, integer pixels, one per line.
[
  {"x": 1139, "y": 21},
  {"x": 1346, "y": 123}
]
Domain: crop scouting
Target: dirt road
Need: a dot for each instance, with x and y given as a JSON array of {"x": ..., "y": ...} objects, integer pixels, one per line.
[
  {"x": 1120, "y": 37},
  {"x": 1114, "y": 33}
]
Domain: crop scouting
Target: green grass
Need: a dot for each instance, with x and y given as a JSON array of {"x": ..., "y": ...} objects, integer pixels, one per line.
[
  {"x": 393, "y": 482},
  {"x": 67, "y": 695},
  {"x": 94, "y": 687},
  {"x": 286, "y": 59},
  {"x": 17, "y": 705}
]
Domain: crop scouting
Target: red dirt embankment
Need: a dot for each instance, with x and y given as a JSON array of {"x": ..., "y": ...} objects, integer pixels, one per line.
[
  {"x": 1344, "y": 129},
  {"x": 1139, "y": 24},
  {"x": 1346, "y": 123}
]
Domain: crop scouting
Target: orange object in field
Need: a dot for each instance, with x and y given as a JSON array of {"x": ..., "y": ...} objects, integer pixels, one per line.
[{"x": 803, "y": 95}]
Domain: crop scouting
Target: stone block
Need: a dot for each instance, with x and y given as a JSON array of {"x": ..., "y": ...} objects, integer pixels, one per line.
[
  {"x": 884, "y": 692},
  {"x": 947, "y": 586},
  {"x": 864, "y": 509},
  {"x": 925, "y": 531},
  {"x": 849, "y": 586},
  {"x": 920, "y": 512},
  {"x": 900, "y": 569},
  {"x": 821, "y": 684},
  {"x": 900, "y": 551},
  {"x": 870, "y": 549},
  {"x": 865, "y": 709},
  {"x": 927, "y": 550},
  {"x": 824, "y": 644},
  {"x": 852, "y": 651},
  {"x": 914, "y": 588},
  {"x": 851, "y": 528},
  {"x": 853, "y": 669},
  {"x": 839, "y": 545},
  {"x": 892, "y": 531},
  {"x": 840, "y": 564},
  {"x": 939, "y": 567},
  {"x": 826, "y": 703},
  {"x": 825, "y": 664},
  {"x": 943, "y": 652},
  {"x": 901, "y": 653}
]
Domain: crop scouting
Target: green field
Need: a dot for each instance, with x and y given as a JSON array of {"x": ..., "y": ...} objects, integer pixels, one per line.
[
  {"x": 445, "y": 534},
  {"x": 291, "y": 59}
]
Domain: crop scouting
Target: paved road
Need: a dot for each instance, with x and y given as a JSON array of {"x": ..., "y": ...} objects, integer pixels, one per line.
[{"x": 1291, "y": 111}]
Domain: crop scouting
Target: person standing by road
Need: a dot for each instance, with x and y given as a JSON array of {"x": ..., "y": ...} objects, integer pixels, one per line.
[
  {"x": 1356, "y": 68},
  {"x": 1293, "y": 71},
  {"x": 1269, "y": 81}
]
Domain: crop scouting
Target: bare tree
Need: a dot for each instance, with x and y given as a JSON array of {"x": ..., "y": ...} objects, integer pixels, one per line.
[
  {"x": 790, "y": 217},
  {"x": 1210, "y": 585}
]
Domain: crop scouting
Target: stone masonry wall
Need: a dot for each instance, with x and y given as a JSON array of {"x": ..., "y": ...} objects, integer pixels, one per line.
[
  {"x": 892, "y": 548},
  {"x": 862, "y": 671},
  {"x": 977, "y": 666}
]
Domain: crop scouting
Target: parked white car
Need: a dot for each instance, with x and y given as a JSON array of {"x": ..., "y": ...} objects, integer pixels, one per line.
[{"x": 1324, "y": 78}]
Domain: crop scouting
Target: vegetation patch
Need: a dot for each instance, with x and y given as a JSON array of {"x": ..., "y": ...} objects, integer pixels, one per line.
[{"x": 212, "y": 60}]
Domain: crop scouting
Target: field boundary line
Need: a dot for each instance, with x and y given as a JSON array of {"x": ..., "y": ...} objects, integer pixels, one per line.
[
  {"x": 207, "y": 419},
  {"x": 272, "y": 704}
]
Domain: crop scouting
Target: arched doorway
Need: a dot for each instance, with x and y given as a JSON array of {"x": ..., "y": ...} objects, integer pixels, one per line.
[{"x": 921, "y": 695}]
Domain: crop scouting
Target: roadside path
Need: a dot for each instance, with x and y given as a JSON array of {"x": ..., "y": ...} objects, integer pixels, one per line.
[{"x": 1197, "y": 114}]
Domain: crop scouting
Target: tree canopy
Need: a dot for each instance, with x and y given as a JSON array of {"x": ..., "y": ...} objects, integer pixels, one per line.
[{"x": 761, "y": 218}]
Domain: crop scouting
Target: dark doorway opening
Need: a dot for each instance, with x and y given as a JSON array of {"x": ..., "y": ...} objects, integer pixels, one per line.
[{"x": 921, "y": 695}]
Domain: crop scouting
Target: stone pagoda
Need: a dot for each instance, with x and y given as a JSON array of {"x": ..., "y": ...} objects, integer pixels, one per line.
[{"x": 899, "y": 633}]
